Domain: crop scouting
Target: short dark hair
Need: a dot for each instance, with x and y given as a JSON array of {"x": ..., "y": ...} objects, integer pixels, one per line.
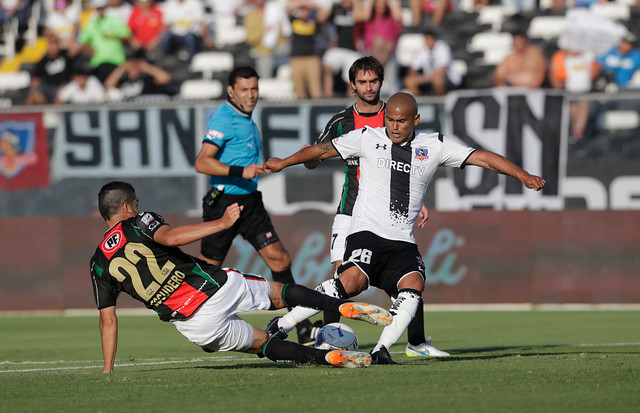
[
  {"x": 366, "y": 64},
  {"x": 430, "y": 31},
  {"x": 112, "y": 196},
  {"x": 245, "y": 72}
]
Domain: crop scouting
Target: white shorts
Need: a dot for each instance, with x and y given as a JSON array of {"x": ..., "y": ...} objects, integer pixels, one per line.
[
  {"x": 339, "y": 232},
  {"x": 340, "y": 59},
  {"x": 216, "y": 325}
]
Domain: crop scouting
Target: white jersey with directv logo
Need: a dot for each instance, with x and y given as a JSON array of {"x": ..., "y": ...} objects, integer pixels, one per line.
[{"x": 394, "y": 177}]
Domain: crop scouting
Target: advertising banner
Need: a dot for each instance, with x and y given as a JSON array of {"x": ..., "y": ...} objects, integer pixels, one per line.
[{"x": 526, "y": 127}]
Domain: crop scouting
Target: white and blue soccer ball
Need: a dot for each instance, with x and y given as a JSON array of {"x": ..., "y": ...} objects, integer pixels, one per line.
[{"x": 336, "y": 336}]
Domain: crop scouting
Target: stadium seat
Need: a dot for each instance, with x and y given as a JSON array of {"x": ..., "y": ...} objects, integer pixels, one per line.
[
  {"x": 232, "y": 36},
  {"x": 200, "y": 89},
  {"x": 210, "y": 62},
  {"x": 283, "y": 72},
  {"x": 408, "y": 46},
  {"x": 547, "y": 27},
  {"x": 494, "y": 15},
  {"x": 494, "y": 46},
  {"x": 8, "y": 39},
  {"x": 277, "y": 89},
  {"x": 487, "y": 40},
  {"x": 613, "y": 11},
  {"x": 14, "y": 80},
  {"x": 460, "y": 67},
  {"x": 621, "y": 119}
]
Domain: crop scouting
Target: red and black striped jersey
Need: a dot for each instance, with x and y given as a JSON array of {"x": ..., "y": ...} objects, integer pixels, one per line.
[
  {"x": 166, "y": 279},
  {"x": 345, "y": 121}
]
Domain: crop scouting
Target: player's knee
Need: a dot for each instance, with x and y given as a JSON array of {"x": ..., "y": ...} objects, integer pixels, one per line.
[
  {"x": 413, "y": 281},
  {"x": 352, "y": 279},
  {"x": 275, "y": 294},
  {"x": 276, "y": 258}
]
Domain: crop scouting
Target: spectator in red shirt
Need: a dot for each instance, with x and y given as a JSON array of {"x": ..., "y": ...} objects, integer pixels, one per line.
[{"x": 147, "y": 26}]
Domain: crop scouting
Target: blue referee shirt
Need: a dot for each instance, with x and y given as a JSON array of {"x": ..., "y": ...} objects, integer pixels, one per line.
[{"x": 238, "y": 139}]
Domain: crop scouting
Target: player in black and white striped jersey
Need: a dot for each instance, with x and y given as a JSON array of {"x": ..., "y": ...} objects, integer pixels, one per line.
[
  {"x": 366, "y": 76},
  {"x": 396, "y": 166}
]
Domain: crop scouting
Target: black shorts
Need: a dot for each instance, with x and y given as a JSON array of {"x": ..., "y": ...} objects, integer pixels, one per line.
[
  {"x": 254, "y": 225},
  {"x": 384, "y": 262}
]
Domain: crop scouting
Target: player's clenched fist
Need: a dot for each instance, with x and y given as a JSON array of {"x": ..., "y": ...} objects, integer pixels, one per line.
[
  {"x": 231, "y": 214},
  {"x": 274, "y": 165},
  {"x": 534, "y": 182}
]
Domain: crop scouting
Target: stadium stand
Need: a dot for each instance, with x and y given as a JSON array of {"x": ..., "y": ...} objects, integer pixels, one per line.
[{"x": 478, "y": 36}]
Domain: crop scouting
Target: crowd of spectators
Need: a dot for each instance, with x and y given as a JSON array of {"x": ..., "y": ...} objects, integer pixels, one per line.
[{"x": 121, "y": 45}]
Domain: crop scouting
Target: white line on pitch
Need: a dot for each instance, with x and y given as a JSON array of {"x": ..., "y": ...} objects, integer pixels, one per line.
[{"x": 157, "y": 362}]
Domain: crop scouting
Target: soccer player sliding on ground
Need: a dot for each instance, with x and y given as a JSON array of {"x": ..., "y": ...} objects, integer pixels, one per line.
[{"x": 139, "y": 255}]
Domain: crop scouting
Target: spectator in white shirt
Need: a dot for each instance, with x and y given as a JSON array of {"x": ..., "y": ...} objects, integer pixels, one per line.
[
  {"x": 83, "y": 88},
  {"x": 185, "y": 26},
  {"x": 62, "y": 26},
  {"x": 431, "y": 71}
]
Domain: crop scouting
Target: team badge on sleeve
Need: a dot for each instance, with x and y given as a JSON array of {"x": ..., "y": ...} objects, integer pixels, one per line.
[{"x": 214, "y": 134}]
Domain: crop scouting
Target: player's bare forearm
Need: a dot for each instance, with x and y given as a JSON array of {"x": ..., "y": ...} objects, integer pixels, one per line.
[
  {"x": 109, "y": 337},
  {"x": 499, "y": 164},
  {"x": 310, "y": 153},
  {"x": 186, "y": 234},
  {"x": 313, "y": 164}
]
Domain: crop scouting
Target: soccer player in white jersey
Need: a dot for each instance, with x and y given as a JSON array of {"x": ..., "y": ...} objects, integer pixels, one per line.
[{"x": 396, "y": 166}]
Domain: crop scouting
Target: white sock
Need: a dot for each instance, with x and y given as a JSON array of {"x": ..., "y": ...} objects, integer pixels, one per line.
[
  {"x": 403, "y": 309},
  {"x": 299, "y": 313}
]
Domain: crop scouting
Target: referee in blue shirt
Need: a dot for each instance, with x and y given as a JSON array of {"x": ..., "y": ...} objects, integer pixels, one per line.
[{"x": 231, "y": 155}]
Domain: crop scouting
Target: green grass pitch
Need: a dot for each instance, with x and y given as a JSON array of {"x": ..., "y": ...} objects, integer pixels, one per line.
[{"x": 529, "y": 361}]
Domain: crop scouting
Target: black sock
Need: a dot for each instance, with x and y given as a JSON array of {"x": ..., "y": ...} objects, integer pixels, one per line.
[
  {"x": 415, "y": 330},
  {"x": 284, "y": 277},
  {"x": 279, "y": 350},
  {"x": 294, "y": 294},
  {"x": 334, "y": 316}
]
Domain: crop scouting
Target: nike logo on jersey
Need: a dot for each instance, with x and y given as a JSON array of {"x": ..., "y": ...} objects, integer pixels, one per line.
[{"x": 400, "y": 166}]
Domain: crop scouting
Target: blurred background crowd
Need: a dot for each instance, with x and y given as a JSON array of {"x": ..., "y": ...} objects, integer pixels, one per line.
[{"x": 87, "y": 51}]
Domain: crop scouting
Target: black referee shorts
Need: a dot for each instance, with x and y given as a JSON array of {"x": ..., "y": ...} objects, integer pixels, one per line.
[{"x": 254, "y": 225}]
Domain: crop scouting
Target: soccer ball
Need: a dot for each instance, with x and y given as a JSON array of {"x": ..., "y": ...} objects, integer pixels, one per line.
[{"x": 336, "y": 336}]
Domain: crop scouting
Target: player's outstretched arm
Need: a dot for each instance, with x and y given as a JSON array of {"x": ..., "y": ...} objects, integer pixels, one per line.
[
  {"x": 206, "y": 163},
  {"x": 498, "y": 163},
  {"x": 311, "y": 164},
  {"x": 109, "y": 336},
  {"x": 317, "y": 152},
  {"x": 186, "y": 234}
]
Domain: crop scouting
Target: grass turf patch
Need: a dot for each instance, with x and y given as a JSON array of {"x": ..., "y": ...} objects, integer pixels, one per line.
[{"x": 501, "y": 361}]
